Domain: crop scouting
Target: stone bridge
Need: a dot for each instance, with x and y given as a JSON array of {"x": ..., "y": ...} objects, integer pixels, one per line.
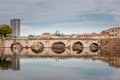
[
  {"x": 50, "y": 47},
  {"x": 47, "y": 43}
]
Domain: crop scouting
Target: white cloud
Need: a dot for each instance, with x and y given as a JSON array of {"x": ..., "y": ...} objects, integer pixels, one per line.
[
  {"x": 55, "y": 10},
  {"x": 65, "y": 13},
  {"x": 66, "y": 27},
  {"x": 37, "y": 30},
  {"x": 28, "y": 30}
]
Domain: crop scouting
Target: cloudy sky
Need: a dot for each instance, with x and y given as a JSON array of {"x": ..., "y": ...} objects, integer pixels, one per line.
[{"x": 67, "y": 16}]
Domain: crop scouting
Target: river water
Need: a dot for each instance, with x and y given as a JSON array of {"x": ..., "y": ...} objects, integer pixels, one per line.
[{"x": 68, "y": 65}]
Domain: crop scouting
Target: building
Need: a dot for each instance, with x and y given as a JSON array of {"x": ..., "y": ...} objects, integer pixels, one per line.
[
  {"x": 114, "y": 32},
  {"x": 98, "y": 36},
  {"x": 85, "y": 35},
  {"x": 91, "y": 36},
  {"x": 46, "y": 35},
  {"x": 15, "y": 25},
  {"x": 111, "y": 33},
  {"x": 105, "y": 33}
]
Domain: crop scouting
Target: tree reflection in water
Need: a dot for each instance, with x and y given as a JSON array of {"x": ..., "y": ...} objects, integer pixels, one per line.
[{"x": 5, "y": 64}]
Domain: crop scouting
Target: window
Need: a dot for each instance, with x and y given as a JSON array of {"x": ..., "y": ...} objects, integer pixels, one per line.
[{"x": 112, "y": 30}]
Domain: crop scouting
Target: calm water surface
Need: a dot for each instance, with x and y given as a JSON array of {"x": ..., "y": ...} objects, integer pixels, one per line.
[{"x": 96, "y": 67}]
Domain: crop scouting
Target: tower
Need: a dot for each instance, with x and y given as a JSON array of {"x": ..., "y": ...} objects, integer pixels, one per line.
[{"x": 15, "y": 25}]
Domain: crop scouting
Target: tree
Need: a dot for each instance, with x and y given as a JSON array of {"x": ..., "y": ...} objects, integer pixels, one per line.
[
  {"x": 5, "y": 30},
  {"x": 30, "y": 36},
  {"x": 57, "y": 33}
]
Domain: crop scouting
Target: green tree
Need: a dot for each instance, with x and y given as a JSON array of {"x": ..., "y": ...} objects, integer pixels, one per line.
[
  {"x": 30, "y": 36},
  {"x": 5, "y": 30},
  {"x": 57, "y": 33}
]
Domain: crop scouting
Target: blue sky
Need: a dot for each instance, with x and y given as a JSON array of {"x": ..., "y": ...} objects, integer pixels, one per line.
[{"x": 67, "y": 16}]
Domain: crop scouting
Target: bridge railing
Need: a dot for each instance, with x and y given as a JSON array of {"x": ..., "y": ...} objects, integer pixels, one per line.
[{"x": 9, "y": 38}]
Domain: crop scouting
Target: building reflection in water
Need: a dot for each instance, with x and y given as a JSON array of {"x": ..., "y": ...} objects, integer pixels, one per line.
[
  {"x": 15, "y": 63},
  {"x": 12, "y": 59},
  {"x": 114, "y": 61},
  {"x": 111, "y": 56},
  {"x": 7, "y": 62}
]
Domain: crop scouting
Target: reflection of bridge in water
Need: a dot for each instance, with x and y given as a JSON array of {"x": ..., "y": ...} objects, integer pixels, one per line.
[
  {"x": 112, "y": 59},
  {"x": 50, "y": 52},
  {"x": 13, "y": 61},
  {"x": 86, "y": 49}
]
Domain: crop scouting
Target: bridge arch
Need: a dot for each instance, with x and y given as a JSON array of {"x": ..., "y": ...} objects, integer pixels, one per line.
[
  {"x": 37, "y": 47},
  {"x": 16, "y": 47}
]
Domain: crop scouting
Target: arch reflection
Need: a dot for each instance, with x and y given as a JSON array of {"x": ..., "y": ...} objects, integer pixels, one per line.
[
  {"x": 58, "y": 47},
  {"x": 94, "y": 47},
  {"x": 78, "y": 47}
]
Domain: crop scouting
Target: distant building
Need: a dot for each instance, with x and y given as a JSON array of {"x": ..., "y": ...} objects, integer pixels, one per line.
[
  {"x": 111, "y": 33},
  {"x": 15, "y": 25},
  {"x": 98, "y": 36},
  {"x": 105, "y": 33},
  {"x": 46, "y": 35},
  {"x": 93, "y": 36},
  {"x": 85, "y": 35},
  {"x": 114, "y": 32},
  {"x": 73, "y": 36}
]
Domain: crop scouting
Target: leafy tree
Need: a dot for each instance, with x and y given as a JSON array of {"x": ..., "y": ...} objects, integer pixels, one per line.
[
  {"x": 30, "y": 36},
  {"x": 57, "y": 33},
  {"x": 5, "y": 30}
]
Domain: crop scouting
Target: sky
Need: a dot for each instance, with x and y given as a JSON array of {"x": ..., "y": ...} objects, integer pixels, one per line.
[{"x": 66, "y": 16}]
